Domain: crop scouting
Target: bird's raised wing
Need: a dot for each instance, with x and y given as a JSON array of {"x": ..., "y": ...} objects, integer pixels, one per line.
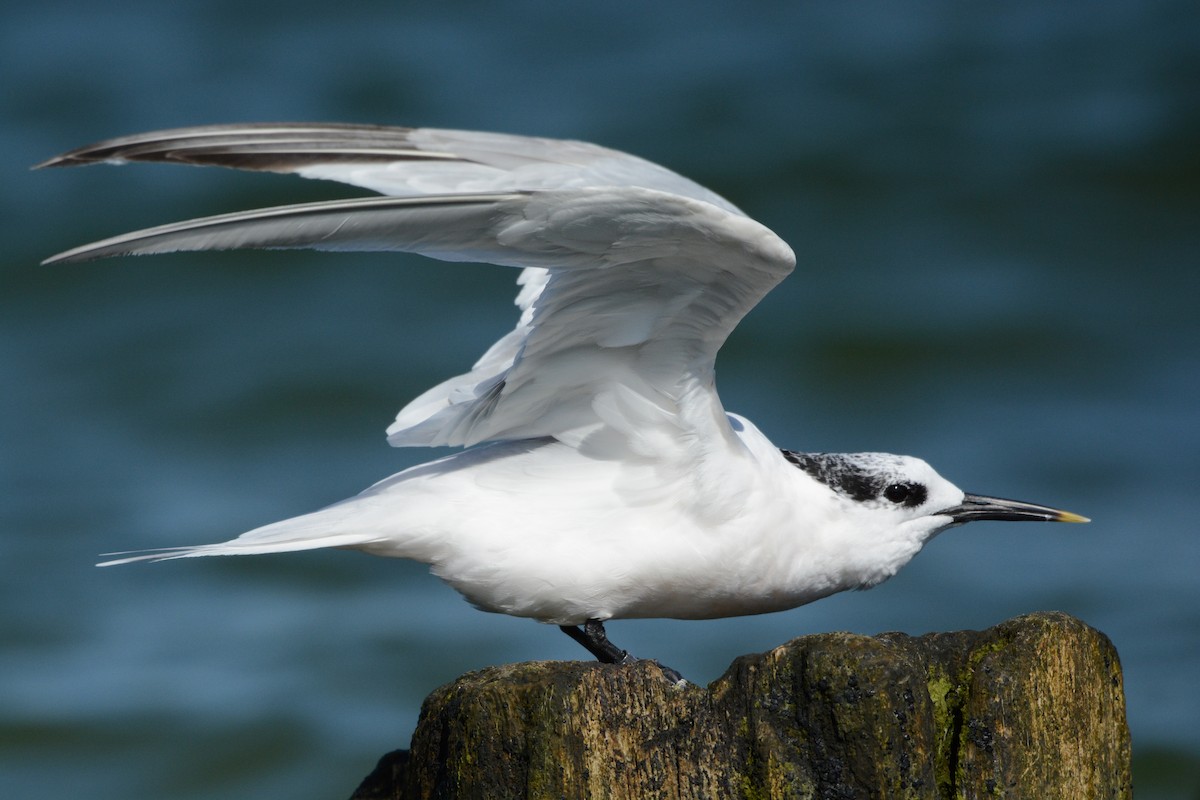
[
  {"x": 396, "y": 161},
  {"x": 632, "y": 290}
]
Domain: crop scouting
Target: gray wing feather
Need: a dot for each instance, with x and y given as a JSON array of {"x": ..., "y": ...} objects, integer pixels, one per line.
[
  {"x": 451, "y": 228},
  {"x": 634, "y": 275},
  {"x": 395, "y": 160}
]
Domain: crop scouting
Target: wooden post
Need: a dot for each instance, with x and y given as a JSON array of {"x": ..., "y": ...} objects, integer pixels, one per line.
[{"x": 1032, "y": 708}]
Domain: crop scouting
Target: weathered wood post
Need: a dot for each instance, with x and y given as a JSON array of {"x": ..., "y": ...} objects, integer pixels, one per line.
[{"x": 1032, "y": 708}]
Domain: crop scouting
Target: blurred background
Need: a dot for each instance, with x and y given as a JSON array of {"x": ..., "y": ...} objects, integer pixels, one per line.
[{"x": 995, "y": 209}]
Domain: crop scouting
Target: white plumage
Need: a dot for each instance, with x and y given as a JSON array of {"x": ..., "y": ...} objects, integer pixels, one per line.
[{"x": 603, "y": 478}]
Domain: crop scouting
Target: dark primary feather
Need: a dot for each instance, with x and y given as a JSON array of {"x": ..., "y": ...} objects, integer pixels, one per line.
[{"x": 269, "y": 147}]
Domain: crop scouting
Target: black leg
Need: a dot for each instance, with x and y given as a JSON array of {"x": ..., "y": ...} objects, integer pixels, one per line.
[{"x": 593, "y": 637}]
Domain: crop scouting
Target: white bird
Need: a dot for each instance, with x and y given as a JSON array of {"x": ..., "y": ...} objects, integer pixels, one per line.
[{"x": 602, "y": 478}]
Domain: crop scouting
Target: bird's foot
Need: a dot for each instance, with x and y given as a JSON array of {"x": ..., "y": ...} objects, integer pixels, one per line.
[
  {"x": 593, "y": 637},
  {"x": 672, "y": 675}
]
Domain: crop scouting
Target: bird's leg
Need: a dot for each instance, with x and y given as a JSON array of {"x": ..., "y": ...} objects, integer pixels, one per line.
[{"x": 593, "y": 637}]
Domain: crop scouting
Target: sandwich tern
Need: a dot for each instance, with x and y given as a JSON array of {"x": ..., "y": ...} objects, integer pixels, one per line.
[{"x": 601, "y": 476}]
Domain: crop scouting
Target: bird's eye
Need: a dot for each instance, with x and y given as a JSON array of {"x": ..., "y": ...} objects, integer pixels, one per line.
[{"x": 906, "y": 494}]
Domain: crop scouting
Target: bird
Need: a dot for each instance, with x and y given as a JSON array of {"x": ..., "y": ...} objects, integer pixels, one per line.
[{"x": 599, "y": 476}]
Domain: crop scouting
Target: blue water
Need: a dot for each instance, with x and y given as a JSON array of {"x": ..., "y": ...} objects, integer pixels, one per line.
[{"x": 995, "y": 211}]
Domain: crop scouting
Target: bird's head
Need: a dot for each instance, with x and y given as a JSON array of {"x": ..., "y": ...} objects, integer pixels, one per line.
[{"x": 894, "y": 504}]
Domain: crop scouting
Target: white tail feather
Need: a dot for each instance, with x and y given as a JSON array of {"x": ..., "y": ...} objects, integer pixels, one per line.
[
  {"x": 236, "y": 547},
  {"x": 307, "y": 532}
]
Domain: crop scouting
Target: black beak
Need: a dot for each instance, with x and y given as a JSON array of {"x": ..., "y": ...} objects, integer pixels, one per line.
[{"x": 977, "y": 506}]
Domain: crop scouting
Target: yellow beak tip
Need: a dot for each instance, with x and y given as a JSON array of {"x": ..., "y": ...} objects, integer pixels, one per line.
[{"x": 1067, "y": 516}]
